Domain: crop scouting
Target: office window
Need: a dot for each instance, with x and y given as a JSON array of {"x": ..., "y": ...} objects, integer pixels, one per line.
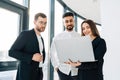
[
  {"x": 13, "y": 19},
  {"x": 9, "y": 22}
]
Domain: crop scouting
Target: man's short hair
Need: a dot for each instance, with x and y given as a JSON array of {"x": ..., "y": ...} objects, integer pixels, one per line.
[
  {"x": 68, "y": 14},
  {"x": 39, "y": 15}
]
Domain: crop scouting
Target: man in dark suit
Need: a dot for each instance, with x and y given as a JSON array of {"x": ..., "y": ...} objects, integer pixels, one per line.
[{"x": 30, "y": 51}]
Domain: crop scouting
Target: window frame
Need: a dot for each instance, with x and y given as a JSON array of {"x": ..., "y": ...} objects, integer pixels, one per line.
[{"x": 23, "y": 25}]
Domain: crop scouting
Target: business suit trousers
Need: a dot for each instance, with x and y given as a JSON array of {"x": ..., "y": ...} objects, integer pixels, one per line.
[
  {"x": 38, "y": 75},
  {"x": 63, "y": 76}
]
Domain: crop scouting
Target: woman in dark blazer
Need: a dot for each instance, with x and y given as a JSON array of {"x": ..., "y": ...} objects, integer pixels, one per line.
[
  {"x": 26, "y": 50},
  {"x": 92, "y": 70}
]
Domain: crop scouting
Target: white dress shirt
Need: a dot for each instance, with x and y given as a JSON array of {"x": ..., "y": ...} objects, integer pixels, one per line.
[
  {"x": 40, "y": 48},
  {"x": 65, "y": 68}
]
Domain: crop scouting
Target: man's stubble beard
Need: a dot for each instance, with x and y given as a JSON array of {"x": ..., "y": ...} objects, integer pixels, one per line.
[{"x": 69, "y": 28}]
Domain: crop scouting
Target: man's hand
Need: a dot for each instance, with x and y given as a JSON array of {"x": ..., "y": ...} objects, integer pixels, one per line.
[
  {"x": 56, "y": 68},
  {"x": 37, "y": 57}
]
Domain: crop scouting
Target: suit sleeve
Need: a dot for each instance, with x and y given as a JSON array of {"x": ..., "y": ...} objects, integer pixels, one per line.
[
  {"x": 87, "y": 65},
  {"x": 100, "y": 50},
  {"x": 17, "y": 49}
]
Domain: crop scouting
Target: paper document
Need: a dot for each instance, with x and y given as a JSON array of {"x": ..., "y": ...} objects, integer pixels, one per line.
[{"x": 79, "y": 48}]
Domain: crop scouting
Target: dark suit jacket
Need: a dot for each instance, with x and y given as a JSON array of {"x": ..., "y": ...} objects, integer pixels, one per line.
[
  {"x": 23, "y": 49},
  {"x": 93, "y": 70}
]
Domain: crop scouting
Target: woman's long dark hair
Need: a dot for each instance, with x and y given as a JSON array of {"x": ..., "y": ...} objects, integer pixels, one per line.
[{"x": 92, "y": 27}]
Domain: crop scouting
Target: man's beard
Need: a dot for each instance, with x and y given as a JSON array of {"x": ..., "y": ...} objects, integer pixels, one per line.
[
  {"x": 40, "y": 29},
  {"x": 69, "y": 28}
]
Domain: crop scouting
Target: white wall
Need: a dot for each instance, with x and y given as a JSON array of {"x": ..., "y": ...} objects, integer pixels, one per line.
[
  {"x": 110, "y": 18},
  {"x": 87, "y": 8}
]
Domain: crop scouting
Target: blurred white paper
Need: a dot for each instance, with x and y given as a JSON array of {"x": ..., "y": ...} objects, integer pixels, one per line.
[{"x": 78, "y": 48}]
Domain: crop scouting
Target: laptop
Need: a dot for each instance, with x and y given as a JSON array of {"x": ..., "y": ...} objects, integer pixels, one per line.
[{"x": 75, "y": 49}]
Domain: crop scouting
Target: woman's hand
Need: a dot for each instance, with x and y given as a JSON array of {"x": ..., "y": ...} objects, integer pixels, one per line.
[{"x": 74, "y": 64}]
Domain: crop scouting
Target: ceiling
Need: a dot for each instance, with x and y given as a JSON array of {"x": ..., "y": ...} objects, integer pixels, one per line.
[{"x": 87, "y": 9}]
